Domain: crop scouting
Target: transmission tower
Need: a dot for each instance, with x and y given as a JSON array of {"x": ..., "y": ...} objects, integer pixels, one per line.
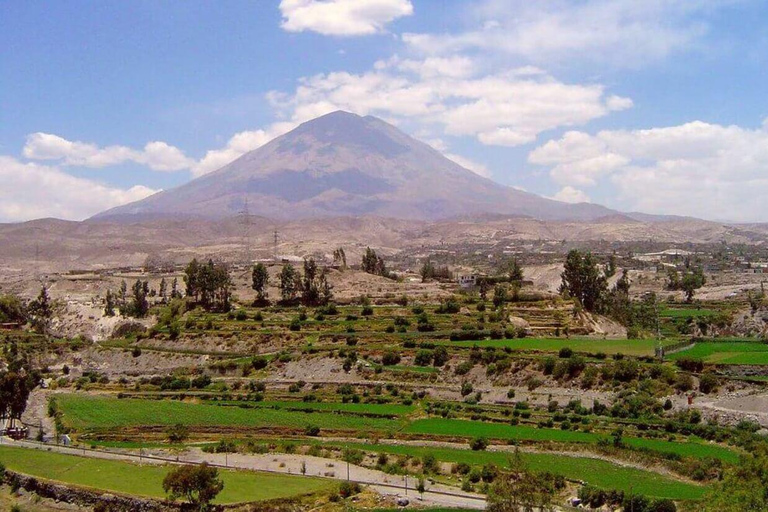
[
  {"x": 245, "y": 221},
  {"x": 274, "y": 246}
]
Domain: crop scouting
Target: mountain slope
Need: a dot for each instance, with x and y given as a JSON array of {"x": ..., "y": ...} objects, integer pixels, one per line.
[{"x": 342, "y": 164}]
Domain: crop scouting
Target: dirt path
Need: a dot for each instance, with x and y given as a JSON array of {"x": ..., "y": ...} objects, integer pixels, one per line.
[{"x": 393, "y": 485}]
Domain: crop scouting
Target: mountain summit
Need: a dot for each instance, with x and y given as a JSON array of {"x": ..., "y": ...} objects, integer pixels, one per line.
[{"x": 342, "y": 164}]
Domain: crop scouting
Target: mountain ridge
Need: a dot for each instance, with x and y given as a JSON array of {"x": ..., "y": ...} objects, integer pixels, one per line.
[{"x": 344, "y": 164}]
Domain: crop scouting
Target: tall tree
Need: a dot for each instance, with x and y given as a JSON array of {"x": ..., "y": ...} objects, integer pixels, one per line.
[
  {"x": 199, "y": 485},
  {"x": 515, "y": 273},
  {"x": 610, "y": 268},
  {"x": 122, "y": 298},
  {"x": 41, "y": 311},
  {"x": 191, "y": 276},
  {"x": 427, "y": 271},
  {"x": 370, "y": 261},
  {"x": 520, "y": 490},
  {"x": 310, "y": 290},
  {"x": 289, "y": 283},
  {"x": 260, "y": 281},
  {"x": 209, "y": 285},
  {"x": 340, "y": 257},
  {"x": 582, "y": 280},
  {"x": 163, "y": 291},
  {"x": 109, "y": 304},
  {"x": 139, "y": 306}
]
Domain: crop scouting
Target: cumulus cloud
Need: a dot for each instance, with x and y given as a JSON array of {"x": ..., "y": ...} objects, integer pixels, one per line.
[
  {"x": 505, "y": 108},
  {"x": 619, "y": 32},
  {"x": 158, "y": 156},
  {"x": 569, "y": 194},
  {"x": 238, "y": 145},
  {"x": 702, "y": 169},
  {"x": 342, "y": 17},
  {"x": 32, "y": 191}
]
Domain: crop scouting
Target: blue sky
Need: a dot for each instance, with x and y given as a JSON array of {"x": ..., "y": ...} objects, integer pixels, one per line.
[{"x": 658, "y": 106}]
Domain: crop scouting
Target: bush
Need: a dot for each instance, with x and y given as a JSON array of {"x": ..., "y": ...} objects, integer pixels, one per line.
[
  {"x": 690, "y": 364},
  {"x": 423, "y": 358},
  {"x": 708, "y": 383},
  {"x": 663, "y": 505},
  {"x": 439, "y": 356},
  {"x": 463, "y": 368},
  {"x": 347, "y": 489},
  {"x": 390, "y": 358},
  {"x": 312, "y": 431},
  {"x": 478, "y": 444},
  {"x": 565, "y": 352}
]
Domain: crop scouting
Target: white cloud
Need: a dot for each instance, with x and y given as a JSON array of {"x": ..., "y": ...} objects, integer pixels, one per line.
[
  {"x": 342, "y": 17},
  {"x": 505, "y": 108},
  {"x": 238, "y": 145},
  {"x": 158, "y": 156},
  {"x": 571, "y": 195},
  {"x": 32, "y": 191},
  {"x": 701, "y": 169},
  {"x": 618, "y": 32}
]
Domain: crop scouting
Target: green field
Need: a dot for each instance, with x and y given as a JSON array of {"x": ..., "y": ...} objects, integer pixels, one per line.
[
  {"x": 727, "y": 352},
  {"x": 597, "y": 472},
  {"x": 629, "y": 347},
  {"x": 464, "y": 428},
  {"x": 101, "y": 412},
  {"x": 352, "y": 408},
  {"x": 88, "y": 412},
  {"x": 686, "y": 313},
  {"x": 128, "y": 478}
]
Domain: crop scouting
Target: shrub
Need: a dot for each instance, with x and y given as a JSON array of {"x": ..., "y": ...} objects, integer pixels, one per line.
[
  {"x": 312, "y": 431},
  {"x": 423, "y": 357},
  {"x": 690, "y": 364},
  {"x": 390, "y": 358},
  {"x": 708, "y": 383},
  {"x": 478, "y": 444},
  {"x": 347, "y": 489},
  {"x": 439, "y": 356},
  {"x": 565, "y": 352}
]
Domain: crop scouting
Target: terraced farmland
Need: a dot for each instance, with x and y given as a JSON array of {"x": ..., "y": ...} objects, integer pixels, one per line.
[{"x": 146, "y": 480}]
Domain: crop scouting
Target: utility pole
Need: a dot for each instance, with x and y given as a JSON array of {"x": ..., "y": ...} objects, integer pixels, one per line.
[
  {"x": 245, "y": 219},
  {"x": 274, "y": 246}
]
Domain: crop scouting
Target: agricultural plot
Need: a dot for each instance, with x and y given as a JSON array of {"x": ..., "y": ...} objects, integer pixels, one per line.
[
  {"x": 687, "y": 313},
  {"x": 88, "y": 412},
  {"x": 133, "y": 479},
  {"x": 462, "y": 428},
  {"x": 597, "y": 472},
  {"x": 585, "y": 345},
  {"x": 727, "y": 352}
]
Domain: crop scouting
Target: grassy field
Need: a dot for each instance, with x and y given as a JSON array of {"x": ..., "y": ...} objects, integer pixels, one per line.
[
  {"x": 127, "y": 478},
  {"x": 592, "y": 346},
  {"x": 90, "y": 412},
  {"x": 464, "y": 428},
  {"x": 686, "y": 313},
  {"x": 728, "y": 352},
  {"x": 596, "y": 472},
  {"x": 352, "y": 408}
]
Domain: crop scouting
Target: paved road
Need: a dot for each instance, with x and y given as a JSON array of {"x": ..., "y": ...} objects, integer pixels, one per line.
[{"x": 392, "y": 485}]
